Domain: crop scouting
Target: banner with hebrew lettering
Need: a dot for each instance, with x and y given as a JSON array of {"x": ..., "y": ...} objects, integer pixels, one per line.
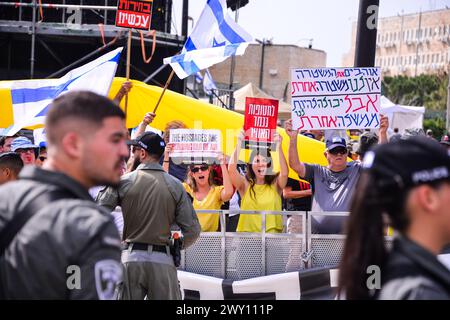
[
  {"x": 134, "y": 14},
  {"x": 336, "y": 98},
  {"x": 195, "y": 146},
  {"x": 260, "y": 122}
]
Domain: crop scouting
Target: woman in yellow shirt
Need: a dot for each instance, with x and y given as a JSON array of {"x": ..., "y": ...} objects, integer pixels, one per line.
[
  {"x": 261, "y": 188},
  {"x": 206, "y": 195}
]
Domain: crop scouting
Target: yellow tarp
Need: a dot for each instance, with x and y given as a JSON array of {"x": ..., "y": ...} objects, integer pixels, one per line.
[{"x": 201, "y": 115}]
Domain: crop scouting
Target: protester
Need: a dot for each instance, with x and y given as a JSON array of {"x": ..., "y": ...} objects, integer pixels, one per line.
[
  {"x": 396, "y": 136},
  {"x": 42, "y": 154},
  {"x": 334, "y": 184},
  {"x": 123, "y": 91},
  {"x": 152, "y": 201},
  {"x": 261, "y": 188},
  {"x": 206, "y": 194},
  {"x": 5, "y": 143},
  {"x": 367, "y": 140},
  {"x": 133, "y": 160},
  {"x": 25, "y": 148},
  {"x": 10, "y": 166},
  {"x": 176, "y": 170},
  {"x": 70, "y": 248},
  {"x": 407, "y": 181},
  {"x": 445, "y": 141}
]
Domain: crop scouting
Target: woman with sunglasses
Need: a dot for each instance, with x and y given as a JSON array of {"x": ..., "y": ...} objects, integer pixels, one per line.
[
  {"x": 261, "y": 188},
  {"x": 206, "y": 195}
]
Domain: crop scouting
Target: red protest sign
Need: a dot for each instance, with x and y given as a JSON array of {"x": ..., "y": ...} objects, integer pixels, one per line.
[
  {"x": 135, "y": 14},
  {"x": 260, "y": 121}
]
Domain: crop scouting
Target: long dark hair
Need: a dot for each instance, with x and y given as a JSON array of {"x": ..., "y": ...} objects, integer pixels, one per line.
[
  {"x": 364, "y": 245},
  {"x": 250, "y": 174}
]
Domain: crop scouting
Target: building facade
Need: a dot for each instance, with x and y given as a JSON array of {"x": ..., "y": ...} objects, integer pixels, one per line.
[
  {"x": 276, "y": 70},
  {"x": 411, "y": 44}
]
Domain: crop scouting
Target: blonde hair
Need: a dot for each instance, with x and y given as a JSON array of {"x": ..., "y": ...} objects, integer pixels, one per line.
[{"x": 174, "y": 124}]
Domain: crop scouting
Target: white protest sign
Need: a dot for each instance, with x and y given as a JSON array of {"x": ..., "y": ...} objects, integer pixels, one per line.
[
  {"x": 336, "y": 98},
  {"x": 195, "y": 145}
]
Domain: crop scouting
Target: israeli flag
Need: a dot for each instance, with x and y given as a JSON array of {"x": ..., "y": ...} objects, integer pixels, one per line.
[
  {"x": 208, "y": 83},
  {"x": 29, "y": 100},
  {"x": 215, "y": 37}
]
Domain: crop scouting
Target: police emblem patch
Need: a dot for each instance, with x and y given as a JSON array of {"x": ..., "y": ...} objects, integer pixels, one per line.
[{"x": 108, "y": 273}]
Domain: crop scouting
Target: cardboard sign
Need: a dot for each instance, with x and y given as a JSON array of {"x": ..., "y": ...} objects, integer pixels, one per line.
[
  {"x": 134, "y": 14},
  {"x": 336, "y": 98},
  {"x": 195, "y": 146},
  {"x": 260, "y": 122}
]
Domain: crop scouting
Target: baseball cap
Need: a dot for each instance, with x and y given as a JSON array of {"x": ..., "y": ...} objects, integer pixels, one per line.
[
  {"x": 22, "y": 143},
  {"x": 408, "y": 163},
  {"x": 150, "y": 142},
  {"x": 366, "y": 141},
  {"x": 336, "y": 142}
]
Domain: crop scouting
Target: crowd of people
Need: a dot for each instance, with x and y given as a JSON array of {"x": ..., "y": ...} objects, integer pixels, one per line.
[{"x": 45, "y": 204}]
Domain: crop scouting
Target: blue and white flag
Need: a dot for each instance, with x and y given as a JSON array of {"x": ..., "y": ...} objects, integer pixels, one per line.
[
  {"x": 208, "y": 83},
  {"x": 30, "y": 99},
  {"x": 215, "y": 37}
]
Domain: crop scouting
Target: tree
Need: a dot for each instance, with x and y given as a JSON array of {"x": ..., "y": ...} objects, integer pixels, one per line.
[{"x": 424, "y": 90}]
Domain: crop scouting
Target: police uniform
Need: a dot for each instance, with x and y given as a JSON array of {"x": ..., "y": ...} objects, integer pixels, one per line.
[
  {"x": 152, "y": 201},
  {"x": 69, "y": 249}
]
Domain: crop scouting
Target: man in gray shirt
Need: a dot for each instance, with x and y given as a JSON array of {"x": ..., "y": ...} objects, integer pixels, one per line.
[{"x": 333, "y": 185}]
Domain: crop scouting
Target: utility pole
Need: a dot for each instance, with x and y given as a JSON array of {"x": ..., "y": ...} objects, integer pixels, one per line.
[
  {"x": 418, "y": 36},
  {"x": 233, "y": 62},
  {"x": 184, "y": 33},
  {"x": 261, "y": 69},
  {"x": 366, "y": 34}
]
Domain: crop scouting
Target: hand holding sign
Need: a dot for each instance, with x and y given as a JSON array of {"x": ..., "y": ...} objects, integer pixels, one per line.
[{"x": 289, "y": 131}]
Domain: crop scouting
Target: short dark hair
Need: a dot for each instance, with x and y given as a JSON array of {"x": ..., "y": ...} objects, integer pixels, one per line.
[
  {"x": 3, "y": 139},
  {"x": 83, "y": 105},
  {"x": 12, "y": 161}
]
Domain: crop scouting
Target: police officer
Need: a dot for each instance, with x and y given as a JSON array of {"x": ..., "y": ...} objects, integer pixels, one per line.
[
  {"x": 64, "y": 246},
  {"x": 151, "y": 202}
]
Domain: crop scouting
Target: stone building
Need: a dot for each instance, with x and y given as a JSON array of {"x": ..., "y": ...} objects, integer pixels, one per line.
[
  {"x": 276, "y": 71},
  {"x": 410, "y": 44}
]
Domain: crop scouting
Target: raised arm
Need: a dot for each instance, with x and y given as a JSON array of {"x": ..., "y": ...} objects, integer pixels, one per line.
[
  {"x": 148, "y": 118},
  {"x": 284, "y": 169},
  {"x": 382, "y": 133},
  {"x": 237, "y": 180},
  {"x": 227, "y": 191},
  {"x": 124, "y": 89},
  {"x": 166, "y": 160},
  {"x": 294, "y": 161}
]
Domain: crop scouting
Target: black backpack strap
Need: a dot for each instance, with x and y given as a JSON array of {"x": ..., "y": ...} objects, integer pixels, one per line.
[{"x": 20, "y": 218}]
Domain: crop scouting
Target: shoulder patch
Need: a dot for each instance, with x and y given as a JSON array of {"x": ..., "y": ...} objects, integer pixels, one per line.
[{"x": 108, "y": 273}]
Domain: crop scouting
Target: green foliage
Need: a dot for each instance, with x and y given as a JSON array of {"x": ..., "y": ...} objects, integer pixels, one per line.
[
  {"x": 436, "y": 125},
  {"x": 424, "y": 90}
]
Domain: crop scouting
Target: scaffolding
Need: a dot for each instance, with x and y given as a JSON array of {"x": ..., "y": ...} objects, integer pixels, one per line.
[{"x": 70, "y": 24}]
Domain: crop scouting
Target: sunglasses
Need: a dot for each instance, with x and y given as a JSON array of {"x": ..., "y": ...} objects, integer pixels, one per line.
[
  {"x": 25, "y": 150},
  {"x": 197, "y": 169},
  {"x": 42, "y": 158},
  {"x": 336, "y": 151}
]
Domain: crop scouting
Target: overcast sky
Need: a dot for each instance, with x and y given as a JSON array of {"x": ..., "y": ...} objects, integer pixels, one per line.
[{"x": 327, "y": 22}]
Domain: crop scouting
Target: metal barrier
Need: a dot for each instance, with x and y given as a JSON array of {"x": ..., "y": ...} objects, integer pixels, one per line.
[{"x": 244, "y": 255}]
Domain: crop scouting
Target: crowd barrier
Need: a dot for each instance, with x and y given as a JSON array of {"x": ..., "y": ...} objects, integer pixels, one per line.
[{"x": 245, "y": 255}]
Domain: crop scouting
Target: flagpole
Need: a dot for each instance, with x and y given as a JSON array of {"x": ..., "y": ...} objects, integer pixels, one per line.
[
  {"x": 164, "y": 90},
  {"x": 128, "y": 67}
]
